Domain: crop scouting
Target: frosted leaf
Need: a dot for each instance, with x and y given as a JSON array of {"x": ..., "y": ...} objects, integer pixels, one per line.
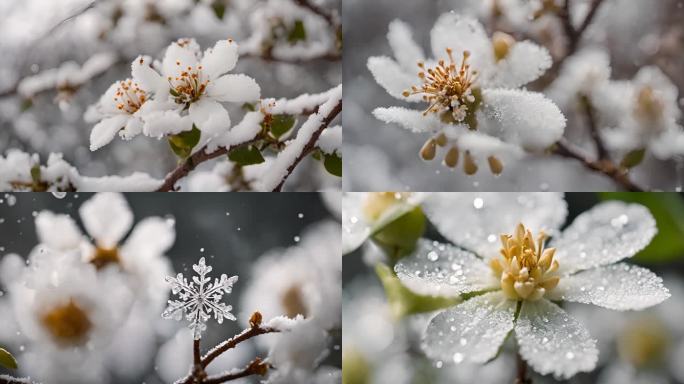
[
  {"x": 392, "y": 77},
  {"x": 405, "y": 49},
  {"x": 462, "y": 33},
  {"x": 475, "y": 220},
  {"x": 199, "y": 298},
  {"x": 605, "y": 234},
  {"x": 443, "y": 270},
  {"x": 524, "y": 63},
  {"x": 471, "y": 332},
  {"x": 411, "y": 119},
  {"x": 107, "y": 217},
  {"x": 618, "y": 286},
  {"x": 553, "y": 342},
  {"x": 527, "y": 119}
]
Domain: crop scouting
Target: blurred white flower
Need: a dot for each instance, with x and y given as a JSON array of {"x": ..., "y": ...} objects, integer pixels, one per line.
[
  {"x": 200, "y": 298},
  {"x": 514, "y": 284},
  {"x": 474, "y": 106}
]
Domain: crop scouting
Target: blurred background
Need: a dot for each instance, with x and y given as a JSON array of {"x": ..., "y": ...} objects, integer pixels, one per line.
[
  {"x": 231, "y": 231},
  {"x": 385, "y": 156},
  {"x": 635, "y": 347}
]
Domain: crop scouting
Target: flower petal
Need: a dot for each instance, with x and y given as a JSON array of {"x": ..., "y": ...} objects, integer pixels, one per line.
[
  {"x": 443, "y": 270},
  {"x": 405, "y": 49},
  {"x": 618, "y": 286},
  {"x": 220, "y": 59},
  {"x": 210, "y": 117},
  {"x": 527, "y": 119},
  {"x": 150, "y": 238},
  {"x": 133, "y": 128},
  {"x": 355, "y": 229},
  {"x": 393, "y": 78},
  {"x": 180, "y": 55},
  {"x": 161, "y": 123},
  {"x": 475, "y": 220},
  {"x": 472, "y": 331},
  {"x": 463, "y": 33},
  {"x": 525, "y": 62},
  {"x": 104, "y": 131},
  {"x": 58, "y": 232},
  {"x": 234, "y": 88},
  {"x": 605, "y": 234},
  {"x": 410, "y": 119},
  {"x": 553, "y": 342},
  {"x": 148, "y": 78},
  {"x": 107, "y": 217}
]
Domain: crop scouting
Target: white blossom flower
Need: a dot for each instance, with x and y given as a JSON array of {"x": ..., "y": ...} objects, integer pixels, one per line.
[
  {"x": 197, "y": 82},
  {"x": 365, "y": 213},
  {"x": 474, "y": 106},
  {"x": 199, "y": 299},
  {"x": 514, "y": 285}
]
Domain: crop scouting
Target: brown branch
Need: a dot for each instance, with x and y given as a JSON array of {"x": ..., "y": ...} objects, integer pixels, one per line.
[
  {"x": 187, "y": 165},
  {"x": 521, "y": 367},
  {"x": 574, "y": 35},
  {"x": 327, "y": 16},
  {"x": 311, "y": 144},
  {"x": 585, "y": 103},
  {"x": 234, "y": 341},
  {"x": 620, "y": 176},
  {"x": 255, "y": 367}
]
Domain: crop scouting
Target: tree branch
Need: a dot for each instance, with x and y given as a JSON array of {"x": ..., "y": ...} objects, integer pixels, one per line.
[
  {"x": 603, "y": 153},
  {"x": 574, "y": 35},
  {"x": 521, "y": 366},
  {"x": 565, "y": 149},
  {"x": 255, "y": 367},
  {"x": 234, "y": 341}
]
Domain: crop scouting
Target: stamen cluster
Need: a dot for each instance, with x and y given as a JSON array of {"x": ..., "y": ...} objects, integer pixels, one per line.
[
  {"x": 189, "y": 85},
  {"x": 129, "y": 97}
]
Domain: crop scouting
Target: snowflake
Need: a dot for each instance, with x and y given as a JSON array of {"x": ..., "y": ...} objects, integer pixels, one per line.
[{"x": 199, "y": 299}]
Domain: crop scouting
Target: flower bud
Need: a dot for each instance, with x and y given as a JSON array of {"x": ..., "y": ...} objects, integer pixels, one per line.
[
  {"x": 495, "y": 165},
  {"x": 441, "y": 139},
  {"x": 429, "y": 150},
  {"x": 469, "y": 165},
  {"x": 451, "y": 158},
  {"x": 502, "y": 43}
]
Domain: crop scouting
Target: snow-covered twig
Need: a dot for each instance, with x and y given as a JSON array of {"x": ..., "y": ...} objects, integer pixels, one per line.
[
  {"x": 601, "y": 149},
  {"x": 255, "y": 367},
  {"x": 574, "y": 35},
  {"x": 6, "y": 379}
]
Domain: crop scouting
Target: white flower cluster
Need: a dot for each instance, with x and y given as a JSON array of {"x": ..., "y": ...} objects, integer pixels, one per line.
[{"x": 81, "y": 302}]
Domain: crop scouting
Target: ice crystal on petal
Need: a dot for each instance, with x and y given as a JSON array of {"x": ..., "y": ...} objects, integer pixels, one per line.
[{"x": 199, "y": 299}]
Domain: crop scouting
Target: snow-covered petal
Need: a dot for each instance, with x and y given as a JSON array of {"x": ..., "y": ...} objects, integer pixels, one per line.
[
  {"x": 107, "y": 217},
  {"x": 438, "y": 269},
  {"x": 180, "y": 55},
  {"x": 410, "y": 119},
  {"x": 553, "y": 342},
  {"x": 58, "y": 232},
  {"x": 393, "y": 78},
  {"x": 475, "y": 220},
  {"x": 151, "y": 237},
  {"x": 134, "y": 127},
  {"x": 605, "y": 234},
  {"x": 527, "y": 119},
  {"x": 618, "y": 286},
  {"x": 355, "y": 229},
  {"x": 104, "y": 131},
  {"x": 147, "y": 77},
  {"x": 472, "y": 331},
  {"x": 220, "y": 59},
  {"x": 463, "y": 33},
  {"x": 670, "y": 143},
  {"x": 161, "y": 123},
  {"x": 209, "y": 116},
  {"x": 405, "y": 49},
  {"x": 234, "y": 88},
  {"x": 524, "y": 63}
]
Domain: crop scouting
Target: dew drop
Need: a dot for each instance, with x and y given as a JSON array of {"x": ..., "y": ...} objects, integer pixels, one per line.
[
  {"x": 439, "y": 364},
  {"x": 569, "y": 355},
  {"x": 458, "y": 358},
  {"x": 478, "y": 203},
  {"x": 463, "y": 341},
  {"x": 354, "y": 219},
  {"x": 301, "y": 215},
  {"x": 432, "y": 256},
  {"x": 296, "y": 239}
]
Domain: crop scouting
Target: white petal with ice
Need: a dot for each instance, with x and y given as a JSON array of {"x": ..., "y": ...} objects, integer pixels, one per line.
[
  {"x": 234, "y": 88},
  {"x": 355, "y": 229},
  {"x": 553, "y": 342},
  {"x": 180, "y": 55},
  {"x": 220, "y": 59},
  {"x": 460, "y": 34},
  {"x": 471, "y": 332},
  {"x": 107, "y": 217},
  {"x": 475, "y": 220},
  {"x": 209, "y": 116},
  {"x": 524, "y": 63},
  {"x": 605, "y": 234},
  {"x": 104, "y": 131},
  {"x": 443, "y": 270},
  {"x": 410, "y": 119},
  {"x": 57, "y": 231},
  {"x": 393, "y": 78},
  {"x": 147, "y": 77},
  {"x": 405, "y": 49},
  {"x": 520, "y": 117},
  {"x": 619, "y": 286},
  {"x": 150, "y": 238}
]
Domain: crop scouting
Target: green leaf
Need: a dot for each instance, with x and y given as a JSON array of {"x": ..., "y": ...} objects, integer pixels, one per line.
[
  {"x": 668, "y": 211},
  {"x": 219, "y": 8},
  {"x": 355, "y": 368},
  {"x": 397, "y": 235},
  {"x": 35, "y": 173},
  {"x": 173, "y": 92},
  {"x": 281, "y": 124},
  {"x": 246, "y": 155},
  {"x": 317, "y": 154},
  {"x": 249, "y": 107},
  {"x": 297, "y": 33},
  {"x": 183, "y": 143},
  {"x": 633, "y": 158},
  {"x": 333, "y": 164},
  {"x": 7, "y": 360},
  {"x": 26, "y": 104},
  {"x": 402, "y": 301}
]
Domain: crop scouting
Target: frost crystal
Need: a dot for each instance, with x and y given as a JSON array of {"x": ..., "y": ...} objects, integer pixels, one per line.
[{"x": 199, "y": 298}]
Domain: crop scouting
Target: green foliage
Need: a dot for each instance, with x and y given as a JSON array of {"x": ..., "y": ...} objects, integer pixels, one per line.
[
  {"x": 219, "y": 8},
  {"x": 355, "y": 369},
  {"x": 397, "y": 235},
  {"x": 402, "y": 301},
  {"x": 633, "y": 158},
  {"x": 7, "y": 360},
  {"x": 297, "y": 33},
  {"x": 668, "y": 211},
  {"x": 249, "y": 107},
  {"x": 183, "y": 143},
  {"x": 333, "y": 164},
  {"x": 281, "y": 124},
  {"x": 246, "y": 155}
]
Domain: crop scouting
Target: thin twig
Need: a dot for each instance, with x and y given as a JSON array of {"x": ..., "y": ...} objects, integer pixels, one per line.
[
  {"x": 233, "y": 342},
  {"x": 603, "y": 153},
  {"x": 565, "y": 149},
  {"x": 255, "y": 367},
  {"x": 329, "y": 18},
  {"x": 311, "y": 144},
  {"x": 521, "y": 376}
]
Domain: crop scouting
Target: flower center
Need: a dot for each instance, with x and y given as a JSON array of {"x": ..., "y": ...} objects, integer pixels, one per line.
[
  {"x": 189, "y": 85},
  {"x": 649, "y": 106},
  {"x": 129, "y": 97},
  {"x": 68, "y": 324},
  {"x": 293, "y": 302},
  {"x": 377, "y": 203},
  {"x": 527, "y": 270},
  {"x": 104, "y": 257},
  {"x": 449, "y": 90}
]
